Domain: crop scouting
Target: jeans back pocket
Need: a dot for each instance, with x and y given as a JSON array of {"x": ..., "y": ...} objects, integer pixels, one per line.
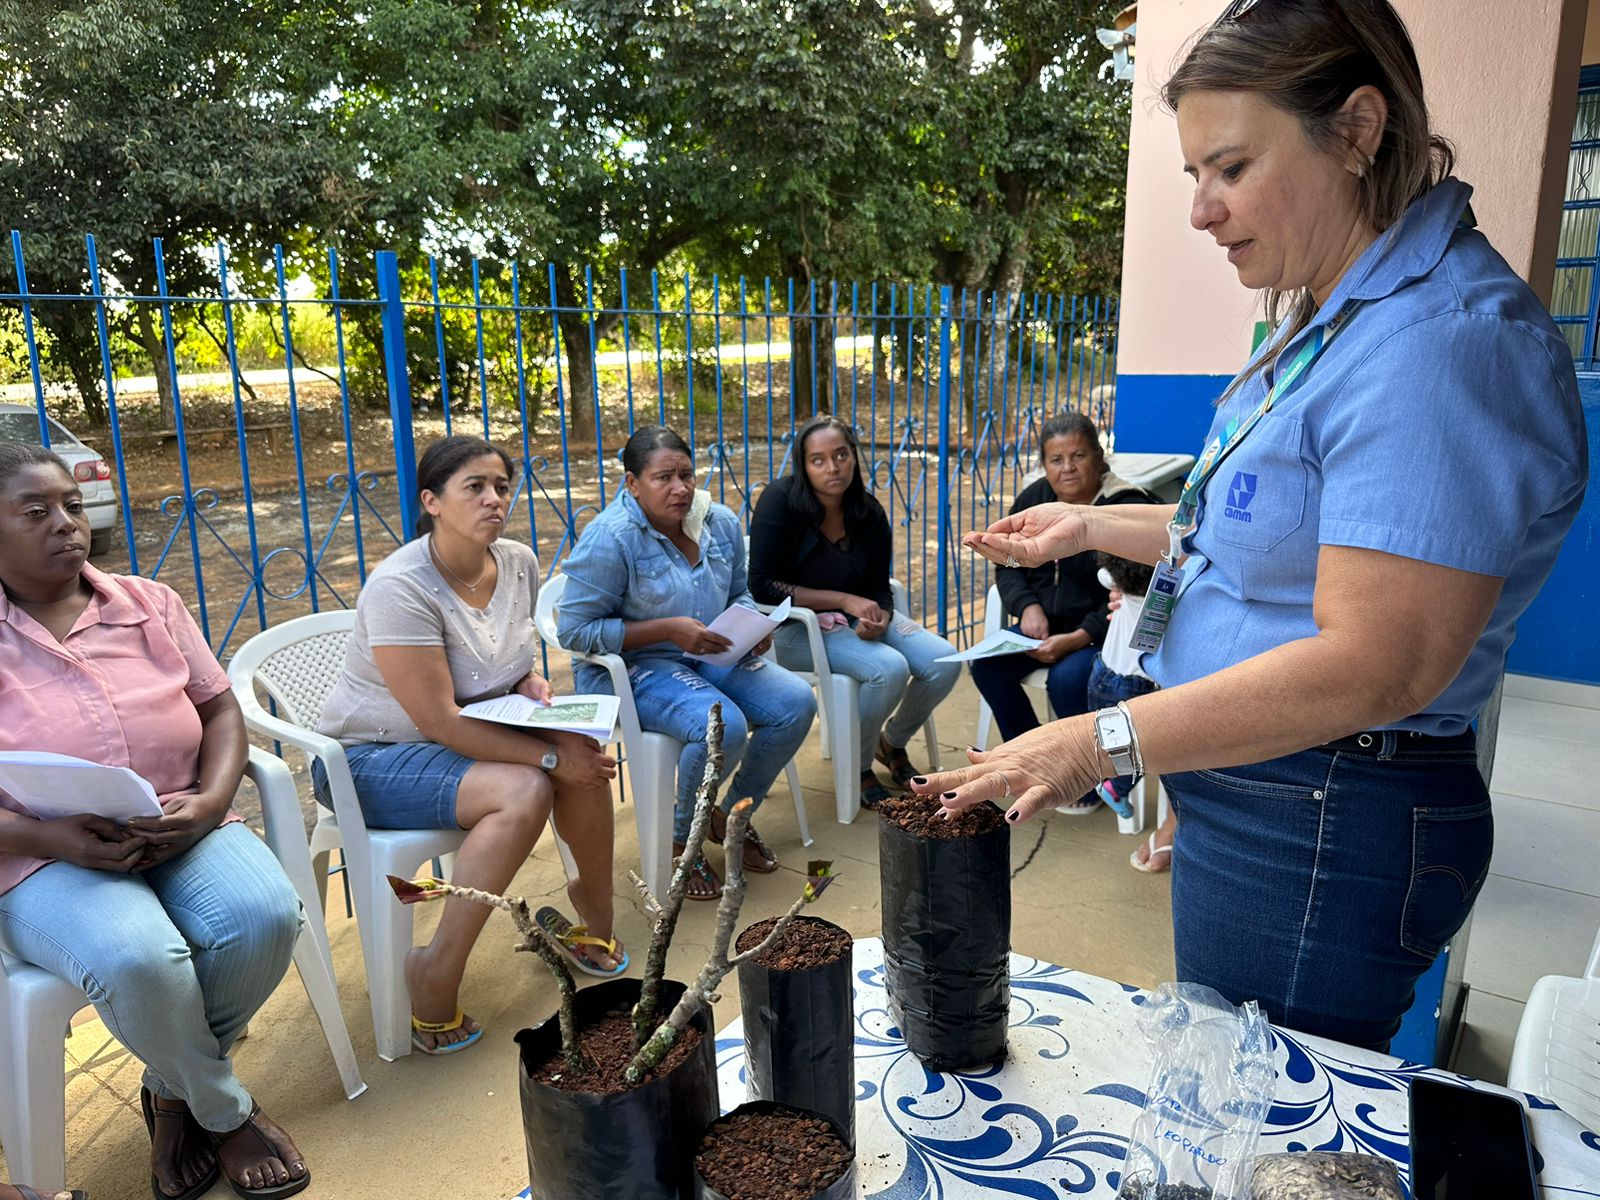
[{"x": 1450, "y": 849}]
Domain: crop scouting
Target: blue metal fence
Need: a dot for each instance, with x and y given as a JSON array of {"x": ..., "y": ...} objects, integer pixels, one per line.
[{"x": 945, "y": 388}]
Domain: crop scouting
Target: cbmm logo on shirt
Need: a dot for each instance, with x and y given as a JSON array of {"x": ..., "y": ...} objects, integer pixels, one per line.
[{"x": 1240, "y": 492}]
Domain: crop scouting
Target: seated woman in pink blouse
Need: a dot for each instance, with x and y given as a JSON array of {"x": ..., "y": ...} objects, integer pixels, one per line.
[{"x": 177, "y": 927}]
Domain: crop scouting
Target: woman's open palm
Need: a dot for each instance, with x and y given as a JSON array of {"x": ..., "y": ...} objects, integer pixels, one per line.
[{"x": 1033, "y": 536}]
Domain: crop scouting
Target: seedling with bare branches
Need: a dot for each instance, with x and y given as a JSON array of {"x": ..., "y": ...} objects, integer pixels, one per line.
[{"x": 653, "y": 1037}]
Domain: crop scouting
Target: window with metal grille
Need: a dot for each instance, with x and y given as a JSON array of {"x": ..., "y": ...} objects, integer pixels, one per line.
[{"x": 1575, "y": 299}]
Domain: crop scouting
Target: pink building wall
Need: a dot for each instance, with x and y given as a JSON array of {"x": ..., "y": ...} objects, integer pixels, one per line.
[{"x": 1501, "y": 77}]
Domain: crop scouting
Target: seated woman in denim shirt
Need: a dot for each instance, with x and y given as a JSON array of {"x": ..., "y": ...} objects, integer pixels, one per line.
[{"x": 660, "y": 549}]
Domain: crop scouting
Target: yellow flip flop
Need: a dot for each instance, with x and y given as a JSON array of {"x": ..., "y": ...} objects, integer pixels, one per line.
[
  {"x": 569, "y": 937},
  {"x": 420, "y": 1027}
]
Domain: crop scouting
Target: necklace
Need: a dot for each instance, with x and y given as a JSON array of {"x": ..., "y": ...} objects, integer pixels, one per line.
[{"x": 440, "y": 563}]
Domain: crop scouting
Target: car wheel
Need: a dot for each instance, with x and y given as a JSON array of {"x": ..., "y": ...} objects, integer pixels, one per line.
[{"x": 99, "y": 542}]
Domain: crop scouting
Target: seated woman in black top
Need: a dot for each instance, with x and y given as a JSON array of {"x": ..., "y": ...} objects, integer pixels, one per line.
[
  {"x": 821, "y": 539},
  {"x": 1061, "y": 602}
]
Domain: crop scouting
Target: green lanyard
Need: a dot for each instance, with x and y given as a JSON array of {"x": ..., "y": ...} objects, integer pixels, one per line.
[
  {"x": 1166, "y": 584},
  {"x": 1184, "y": 521}
]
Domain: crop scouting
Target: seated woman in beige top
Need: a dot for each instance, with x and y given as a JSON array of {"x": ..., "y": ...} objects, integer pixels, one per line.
[{"x": 444, "y": 621}]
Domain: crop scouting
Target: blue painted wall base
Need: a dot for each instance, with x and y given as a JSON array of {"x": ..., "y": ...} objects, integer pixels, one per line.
[
  {"x": 1165, "y": 413},
  {"x": 1558, "y": 637}
]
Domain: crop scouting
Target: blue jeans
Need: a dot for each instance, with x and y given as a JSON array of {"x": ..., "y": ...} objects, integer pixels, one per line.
[
  {"x": 1326, "y": 882},
  {"x": 766, "y": 713},
  {"x": 1000, "y": 682},
  {"x": 898, "y": 668},
  {"x": 176, "y": 960},
  {"x": 1106, "y": 688}
]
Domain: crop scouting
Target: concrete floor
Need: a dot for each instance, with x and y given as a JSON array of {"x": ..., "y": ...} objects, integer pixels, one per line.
[{"x": 451, "y": 1125}]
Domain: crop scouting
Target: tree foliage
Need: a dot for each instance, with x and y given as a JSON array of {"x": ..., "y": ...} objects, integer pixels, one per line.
[{"x": 969, "y": 142}]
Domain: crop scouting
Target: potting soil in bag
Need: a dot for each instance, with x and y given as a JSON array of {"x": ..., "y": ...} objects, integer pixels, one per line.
[
  {"x": 763, "y": 1150},
  {"x": 613, "y": 1141},
  {"x": 799, "y": 1018},
  {"x": 1208, "y": 1097},
  {"x": 946, "y": 888}
]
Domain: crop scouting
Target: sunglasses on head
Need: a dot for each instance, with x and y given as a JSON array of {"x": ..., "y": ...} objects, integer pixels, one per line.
[{"x": 1235, "y": 10}]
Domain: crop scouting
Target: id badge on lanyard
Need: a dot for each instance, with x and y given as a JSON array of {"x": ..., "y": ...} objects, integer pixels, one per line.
[{"x": 1166, "y": 583}]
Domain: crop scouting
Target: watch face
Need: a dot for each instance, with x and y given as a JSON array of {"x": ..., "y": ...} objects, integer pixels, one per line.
[
  {"x": 549, "y": 761},
  {"x": 1114, "y": 732}
]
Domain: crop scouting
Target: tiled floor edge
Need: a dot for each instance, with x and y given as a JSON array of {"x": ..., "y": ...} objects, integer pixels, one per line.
[{"x": 1553, "y": 691}]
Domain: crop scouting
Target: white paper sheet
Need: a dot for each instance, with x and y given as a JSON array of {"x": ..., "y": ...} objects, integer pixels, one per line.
[
  {"x": 58, "y": 785},
  {"x": 593, "y": 716},
  {"x": 744, "y": 627},
  {"x": 1003, "y": 642}
]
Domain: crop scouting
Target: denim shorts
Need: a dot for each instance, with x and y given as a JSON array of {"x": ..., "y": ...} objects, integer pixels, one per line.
[
  {"x": 401, "y": 785},
  {"x": 1324, "y": 883}
]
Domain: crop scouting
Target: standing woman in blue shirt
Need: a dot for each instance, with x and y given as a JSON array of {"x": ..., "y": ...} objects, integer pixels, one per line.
[
  {"x": 1352, "y": 562},
  {"x": 647, "y": 577}
]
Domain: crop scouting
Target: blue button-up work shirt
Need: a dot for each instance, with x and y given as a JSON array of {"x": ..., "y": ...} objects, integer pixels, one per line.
[
  {"x": 1442, "y": 423},
  {"x": 624, "y": 569}
]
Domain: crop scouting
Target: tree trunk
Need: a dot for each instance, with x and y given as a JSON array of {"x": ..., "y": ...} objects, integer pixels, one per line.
[
  {"x": 580, "y": 360},
  {"x": 812, "y": 357},
  {"x": 155, "y": 346},
  {"x": 86, "y": 378}
]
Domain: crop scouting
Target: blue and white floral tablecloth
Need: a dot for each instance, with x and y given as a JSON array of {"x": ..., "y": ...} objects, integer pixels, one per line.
[{"x": 1053, "y": 1120}]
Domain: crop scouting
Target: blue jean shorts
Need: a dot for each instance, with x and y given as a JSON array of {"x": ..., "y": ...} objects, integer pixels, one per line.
[{"x": 401, "y": 785}]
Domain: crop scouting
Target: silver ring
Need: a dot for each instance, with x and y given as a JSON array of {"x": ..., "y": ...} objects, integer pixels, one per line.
[
  {"x": 1011, "y": 561},
  {"x": 1007, "y": 783}
]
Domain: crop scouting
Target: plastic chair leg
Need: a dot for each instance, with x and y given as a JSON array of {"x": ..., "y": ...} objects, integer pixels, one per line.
[
  {"x": 311, "y": 959},
  {"x": 387, "y": 928},
  {"x": 568, "y": 863},
  {"x": 33, "y": 1116},
  {"x": 985, "y": 723},
  {"x": 793, "y": 776},
  {"x": 1135, "y": 824},
  {"x": 654, "y": 775},
  {"x": 931, "y": 734},
  {"x": 845, "y": 709}
]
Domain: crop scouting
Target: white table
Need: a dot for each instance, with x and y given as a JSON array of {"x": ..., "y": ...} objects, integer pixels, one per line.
[
  {"x": 1162, "y": 474},
  {"x": 1054, "y": 1119}
]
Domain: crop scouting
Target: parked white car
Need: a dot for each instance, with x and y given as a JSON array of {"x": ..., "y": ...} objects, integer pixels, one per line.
[{"x": 20, "y": 423}]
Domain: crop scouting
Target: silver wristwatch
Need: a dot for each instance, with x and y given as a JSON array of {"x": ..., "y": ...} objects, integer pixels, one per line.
[
  {"x": 1114, "y": 732},
  {"x": 550, "y": 760}
]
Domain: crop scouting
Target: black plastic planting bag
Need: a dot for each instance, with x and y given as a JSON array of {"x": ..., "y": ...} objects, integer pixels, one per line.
[
  {"x": 799, "y": 1036},
  {"x": 946, "y": 938},
  {"x": 634, "y": 1145},
  {"x": 842, "y": 1188}
]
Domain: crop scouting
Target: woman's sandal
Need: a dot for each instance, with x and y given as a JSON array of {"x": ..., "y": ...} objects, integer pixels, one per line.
[
  {"x": 571, "y": 938},
  {"x": 28, "y": 1193},
  {"x": 1149, "y": 865},
  {"x": 272, "y": 1192},
  {"x": 765, "y": 861},
  {"x": 188, "y": 1128},
  {"x": 434, "y": 1028},
  {"x": 873, "y": 793},
  {"x": 897, "y": 760},
  {"x": 701, "y": 872}
]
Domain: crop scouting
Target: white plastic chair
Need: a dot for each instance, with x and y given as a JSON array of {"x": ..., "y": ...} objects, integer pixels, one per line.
[
  {"x": 994, "y": 620},
  {"x": 839, "y": 708},
  {"x": 1557, "y": 1051},
  {"x": 651, "y": 758},
  {"x": 36, "y": 1006},
  {"x": 297, "y": 663}
]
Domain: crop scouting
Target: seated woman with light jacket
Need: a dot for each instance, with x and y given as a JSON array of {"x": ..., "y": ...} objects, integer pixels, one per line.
[{"x": 647, "y": 577}]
